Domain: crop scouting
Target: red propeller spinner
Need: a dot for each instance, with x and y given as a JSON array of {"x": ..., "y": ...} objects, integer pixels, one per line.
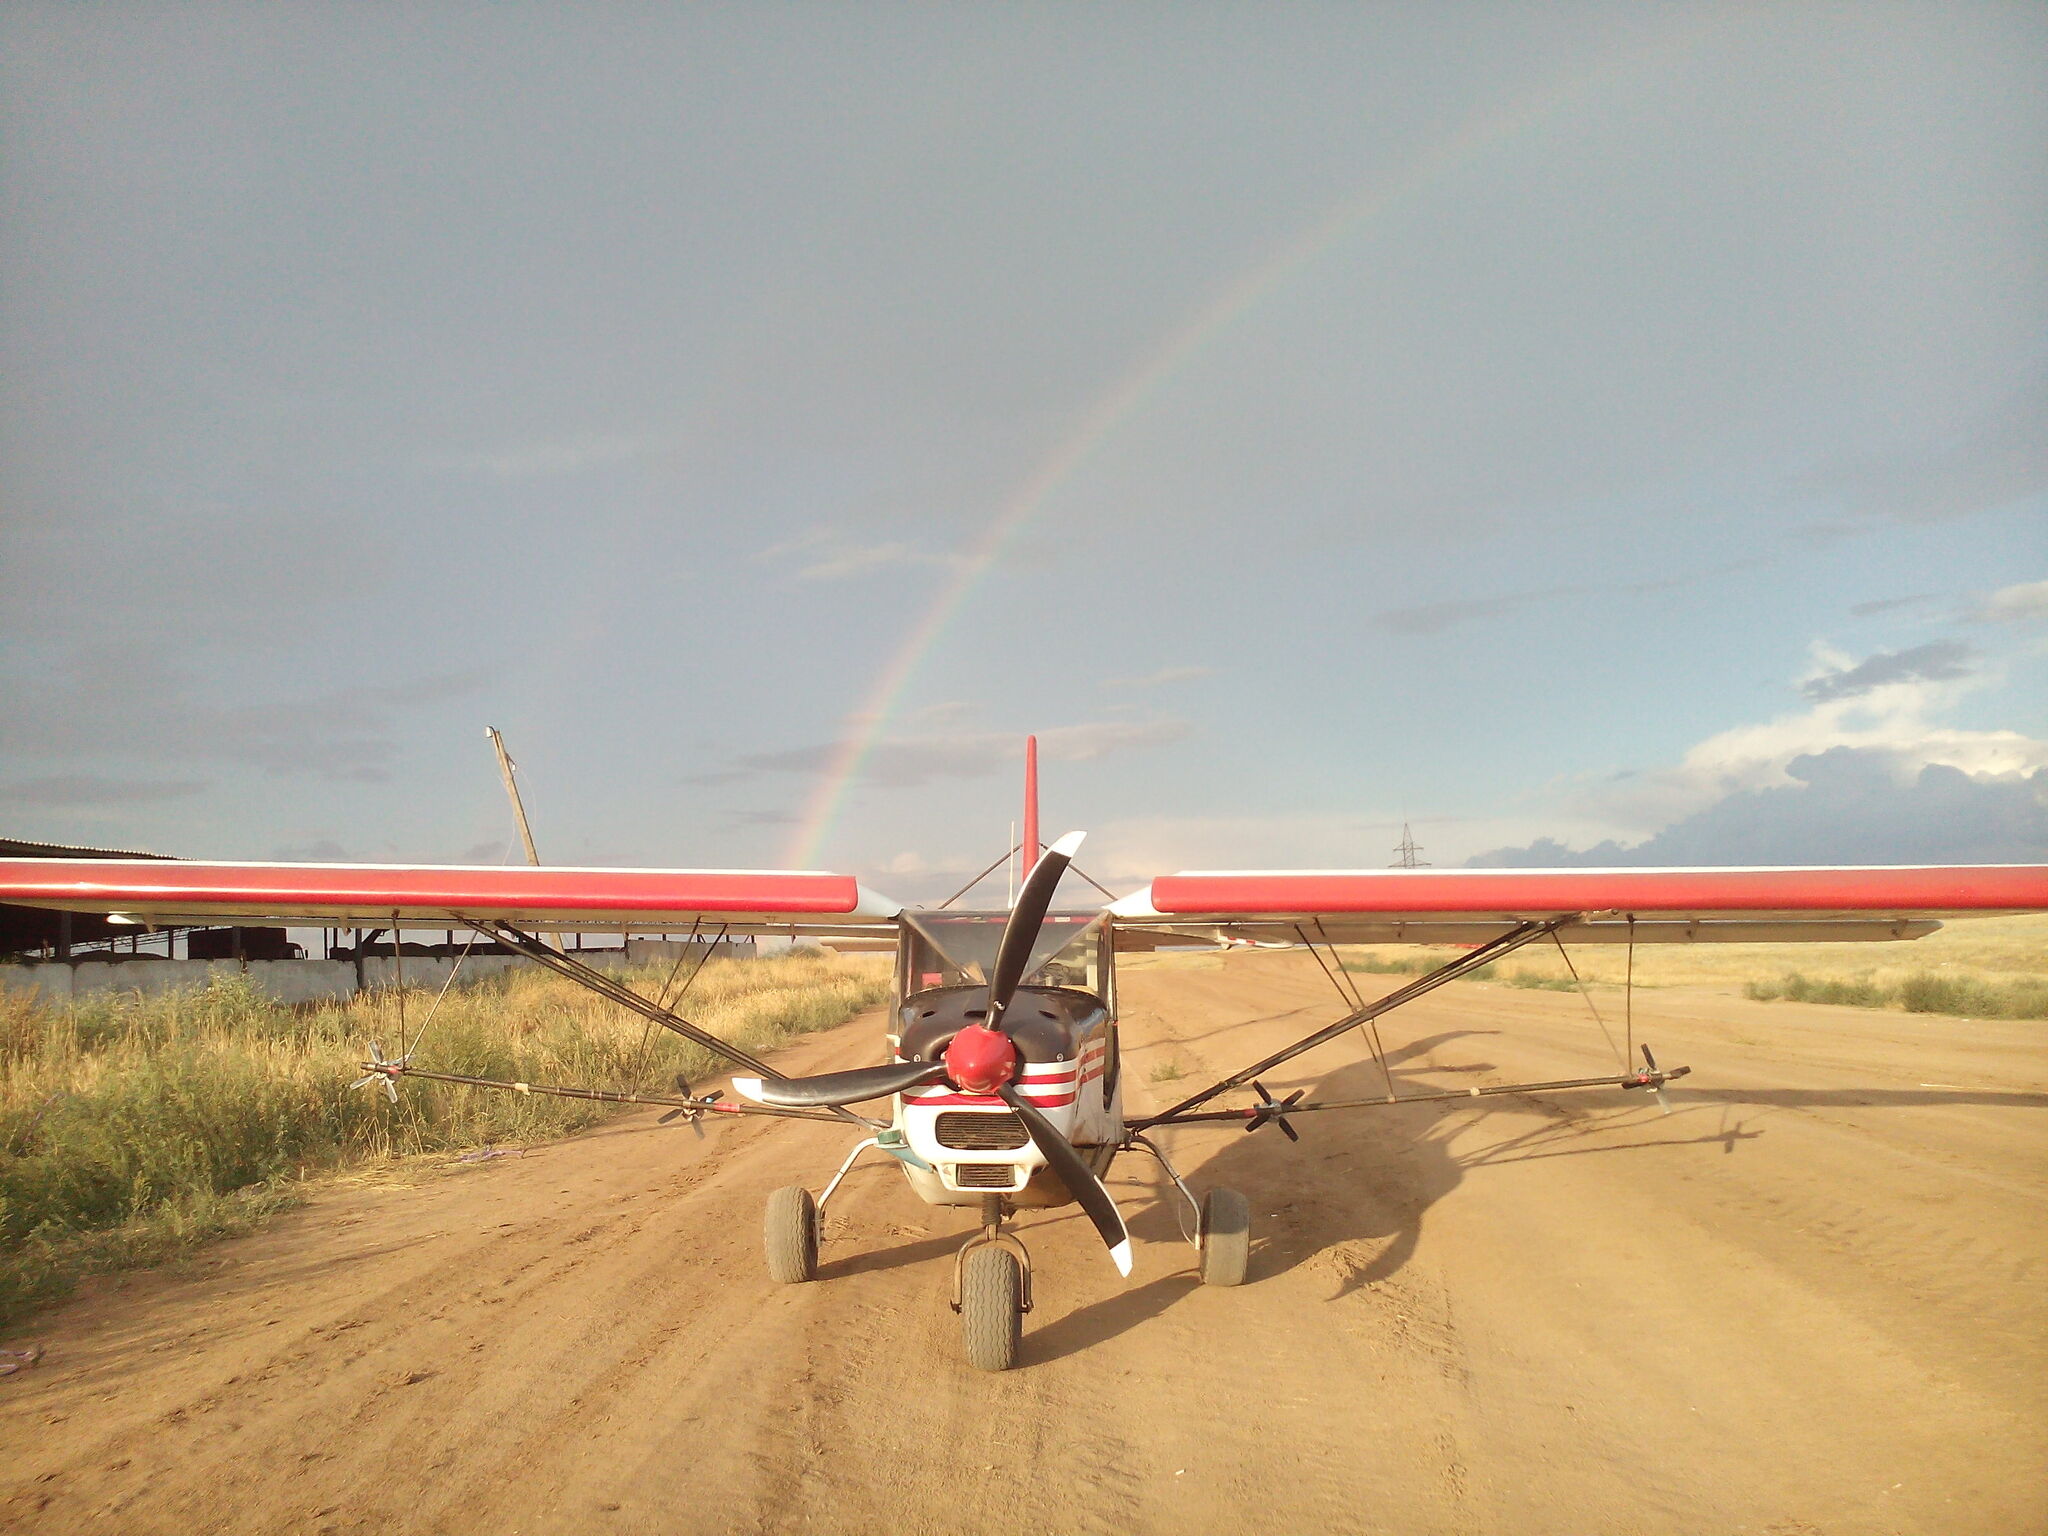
[{"x": 980, "y": 1059}]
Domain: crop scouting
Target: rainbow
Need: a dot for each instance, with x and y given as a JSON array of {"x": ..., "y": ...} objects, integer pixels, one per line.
[{"x": 1125, "y": 398}]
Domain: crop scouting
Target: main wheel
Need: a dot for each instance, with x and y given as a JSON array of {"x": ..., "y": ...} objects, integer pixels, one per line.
[
  {"x": 790, "y": 1235},
  {"x": 1226, "y": 1237},
  {"x": 991, "y": 1306}
]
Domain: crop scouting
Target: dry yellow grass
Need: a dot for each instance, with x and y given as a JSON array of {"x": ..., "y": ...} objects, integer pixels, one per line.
[
  {"x": 131, "y": 1128},
  {"x": 1987, "y": 949},
  {"x": 1986, "y": 958}
]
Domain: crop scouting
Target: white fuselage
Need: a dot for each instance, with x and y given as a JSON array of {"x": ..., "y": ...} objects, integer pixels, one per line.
[{"x": 977, "y": 1147}]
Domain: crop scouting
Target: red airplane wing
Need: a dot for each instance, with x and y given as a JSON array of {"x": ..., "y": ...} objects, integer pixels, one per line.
[
  {"x": 180, "y": 891},
  {"x": 1650, "y": 905}
]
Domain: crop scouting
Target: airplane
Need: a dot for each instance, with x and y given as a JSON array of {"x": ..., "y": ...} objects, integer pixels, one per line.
[{"x": 1002, "y": 1073}]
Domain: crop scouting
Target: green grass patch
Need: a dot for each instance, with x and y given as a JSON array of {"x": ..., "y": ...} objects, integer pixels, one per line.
[
  {"x": 1393, "y": 965},
  {"x": 1976, "y": 997},
  {"x": 133, "y": 1128},
  {"x": 1420, "y": 964}
]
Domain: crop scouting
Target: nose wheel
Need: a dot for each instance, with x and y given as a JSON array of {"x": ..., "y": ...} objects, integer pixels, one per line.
[{"x": 992, "y": 1292}]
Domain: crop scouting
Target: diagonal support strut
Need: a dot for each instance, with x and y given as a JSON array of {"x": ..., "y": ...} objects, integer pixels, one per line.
[
  {"x": 1465, "y": 964},
  {"x": 563, "y": 964}
]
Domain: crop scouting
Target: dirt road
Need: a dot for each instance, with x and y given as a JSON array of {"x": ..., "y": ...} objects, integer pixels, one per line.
[{"x": 1811, "y": 1300}]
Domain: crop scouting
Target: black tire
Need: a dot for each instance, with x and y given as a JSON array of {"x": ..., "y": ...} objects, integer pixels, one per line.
[
  {"x": 790, "y": 1235},
  {"x": 1226, "y": 1237},
  {"x": 991, "y": 1307}
]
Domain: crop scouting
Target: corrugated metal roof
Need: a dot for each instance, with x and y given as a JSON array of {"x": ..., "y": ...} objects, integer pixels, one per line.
[{"x": 15, "y": 848}]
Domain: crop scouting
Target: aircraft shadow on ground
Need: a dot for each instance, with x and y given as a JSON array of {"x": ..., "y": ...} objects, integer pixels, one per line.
[
  {"x": 1857, "y": 1098},
  {"x": 1364, "y": 1180}
]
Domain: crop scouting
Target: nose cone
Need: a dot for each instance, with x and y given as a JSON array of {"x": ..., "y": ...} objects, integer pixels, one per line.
[{"x": 980, "y": 1059}]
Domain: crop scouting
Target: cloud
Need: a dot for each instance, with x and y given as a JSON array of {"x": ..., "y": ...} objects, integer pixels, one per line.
[
  {"x": 564, "y": 456},
  {"x": 2023, "y": 603},
  {"x": 107, "y": 700},
  {"x": 829, "y": 556},
  {"x": 1433, "y": 618},
  {"x": 1935, "y": 662},
  {"x": 92, "y": 789},
  {"x": 1886, "y": 604},
  {"x": 760, "y": 818},
  {"x": 1847, "y": 805},
  {"x": 1868, "y": 773},
  {"x": 906, "y": 762},
  {"x": 1160, "y": 678},
  {"x": 1996, "y": 460}
]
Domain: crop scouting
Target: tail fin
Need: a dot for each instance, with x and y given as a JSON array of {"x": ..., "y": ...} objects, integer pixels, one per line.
[{"x": 1030, "y": 843}]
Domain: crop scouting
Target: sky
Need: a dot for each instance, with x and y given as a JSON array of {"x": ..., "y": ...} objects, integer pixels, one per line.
[{"x": 1583, "y": 433}]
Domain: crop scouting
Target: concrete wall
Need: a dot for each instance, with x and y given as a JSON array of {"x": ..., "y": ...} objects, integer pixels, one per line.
[
  {"x": 305, "y": 981},
  {"x": 289, "y": 981}
]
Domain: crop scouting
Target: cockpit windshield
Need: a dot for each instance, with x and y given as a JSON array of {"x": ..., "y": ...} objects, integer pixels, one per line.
[{"x": 957, "y": 949}]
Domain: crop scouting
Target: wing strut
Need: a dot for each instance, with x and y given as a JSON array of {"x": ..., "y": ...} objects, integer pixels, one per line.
[
  {"x": 604, "y": 986},
  {"x": 1464, "y": 964},
  {"x": 1256, "y": 1115}
]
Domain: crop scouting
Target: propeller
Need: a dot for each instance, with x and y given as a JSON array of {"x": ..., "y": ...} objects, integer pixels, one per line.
[
  {"x": 981, "y": 1059},
  {"x": 1274, "y": 1110},
  {"x": 694, "y": 1116},
  {"x": 1658, "y": 1086},
  {"x": 1655, "y": 1078},
  {"x": 378, "y": 1070}
]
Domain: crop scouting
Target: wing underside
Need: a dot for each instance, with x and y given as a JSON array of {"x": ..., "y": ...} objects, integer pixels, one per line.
[
  {"x": 1643, "y": 906},
  {"x": 167, "y": 893}
]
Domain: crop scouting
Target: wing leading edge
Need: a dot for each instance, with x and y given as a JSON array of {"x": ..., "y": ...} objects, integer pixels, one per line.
[
  {"x": 1609, "y": 905},
  {"x": 177, "y": 892}
]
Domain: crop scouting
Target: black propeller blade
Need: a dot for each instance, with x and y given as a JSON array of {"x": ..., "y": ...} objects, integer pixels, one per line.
[
  {"x": 1013, "y": 955},
  {"x": 1020, "y": 933},
  {"x": 1274, "y": 1110},
  {"x": 1080, "y": 1179},
  {"x": 835, "y": 1088}
]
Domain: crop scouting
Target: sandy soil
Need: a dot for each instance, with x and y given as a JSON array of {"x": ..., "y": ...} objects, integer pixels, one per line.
[{"x": 1808, "y": 1301}]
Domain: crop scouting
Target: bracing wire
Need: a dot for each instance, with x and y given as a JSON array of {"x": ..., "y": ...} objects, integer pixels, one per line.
[
  {"x": 668, "y": 1004},
  {"x": 1370, "y": 1028},
  {"x": 453, "y": 971},
  {"x": 1588, "y": 996},
  {"x": 1628, "y": 992}
]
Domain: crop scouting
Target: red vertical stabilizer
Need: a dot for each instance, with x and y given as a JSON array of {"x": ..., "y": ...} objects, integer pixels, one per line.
[{"x": 1030, "y": 851}]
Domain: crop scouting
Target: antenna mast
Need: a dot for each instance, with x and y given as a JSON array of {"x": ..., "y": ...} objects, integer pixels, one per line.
[{"x": 505, "y": 771}]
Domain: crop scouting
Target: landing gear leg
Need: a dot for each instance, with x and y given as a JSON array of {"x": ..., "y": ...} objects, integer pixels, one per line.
[
  {"x": 992, "y": 1291},
  {"x": 1223, "y": 1224},
  {"x": 794, "y": 1223}
]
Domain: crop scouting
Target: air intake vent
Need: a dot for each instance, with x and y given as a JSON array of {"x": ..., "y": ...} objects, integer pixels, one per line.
[
  {"x": 984, "y": 1176},
  {"x": 979, "y": 1131}
]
